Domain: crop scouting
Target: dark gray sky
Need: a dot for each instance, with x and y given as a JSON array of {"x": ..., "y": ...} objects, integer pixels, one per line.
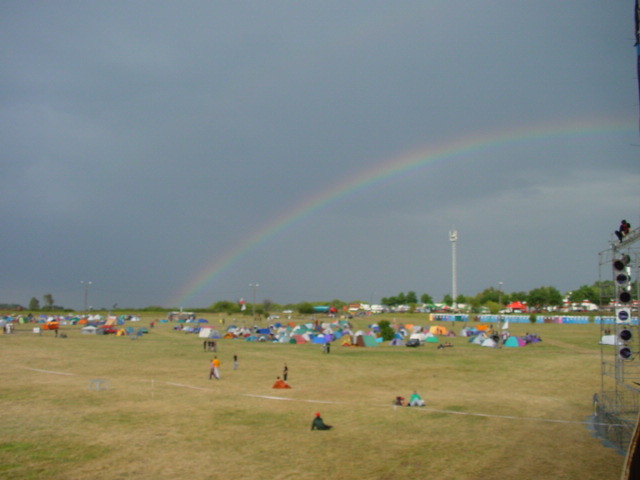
[{"x": 144, "y": 143}]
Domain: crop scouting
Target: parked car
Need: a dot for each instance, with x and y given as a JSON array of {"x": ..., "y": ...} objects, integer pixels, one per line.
[{"x": 413, "y": 342}]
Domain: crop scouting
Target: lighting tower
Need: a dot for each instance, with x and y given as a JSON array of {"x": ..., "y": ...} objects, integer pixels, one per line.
[
  {"x": 453, "y": 238},
  {"x": 86, "y": 293}
]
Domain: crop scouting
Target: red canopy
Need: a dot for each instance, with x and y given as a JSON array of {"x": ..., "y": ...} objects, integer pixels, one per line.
[{"x": 517, "y": 306}]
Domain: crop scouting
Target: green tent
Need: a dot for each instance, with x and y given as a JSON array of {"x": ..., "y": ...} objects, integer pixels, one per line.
[{"x": 369, "y": 341}]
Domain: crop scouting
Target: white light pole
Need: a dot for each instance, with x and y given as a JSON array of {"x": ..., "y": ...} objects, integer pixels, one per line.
[
  {"x": 86, "y": 292},
  {"x": 500, "y": 284},
  {"x": 253, "y": 304},
  {"x": 453, "y": 238}
]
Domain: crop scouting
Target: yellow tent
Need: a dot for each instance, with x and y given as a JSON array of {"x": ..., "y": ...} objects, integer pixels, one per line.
[{"x": 438, "y": 330}]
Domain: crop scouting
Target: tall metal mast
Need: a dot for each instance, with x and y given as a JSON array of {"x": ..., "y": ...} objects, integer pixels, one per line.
[{"x": 453, "y": 238}]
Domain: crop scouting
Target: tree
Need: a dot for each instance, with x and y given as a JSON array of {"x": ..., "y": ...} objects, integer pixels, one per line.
[
  {"x": 225, "y": 306},
  {"x": 426, "y": 298},
  {"x": 266, "y": 305},
  {"x": 305, "y": 308},
  {"x": 488, "y": 295},
  {"x": 447, "y": 299},
  {"x": 411, "y": 297},
  {"x": 606, "y": 291},
  {"x": 544, "y": 296},
  {"x": 386, "y": 331},
  {"x": 34, "y": 304},
  {"x": 48, "y": 300},
  {"x": 337, "y": 304},
  {"x": 585, "y": 292}
]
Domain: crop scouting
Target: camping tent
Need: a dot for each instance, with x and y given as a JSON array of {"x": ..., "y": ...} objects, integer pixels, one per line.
[
  {"x": 370, "y": 341},
  {"x": 514, "y": 342},
  {"x": 431, "y": 338},
  {"x": 438, "y": 330},
  {"x": 489, "y": 342}
]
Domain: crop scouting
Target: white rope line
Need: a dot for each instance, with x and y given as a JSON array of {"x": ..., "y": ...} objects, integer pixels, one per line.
[
  {"x": 187, "y": 386},
  {"x": 328, "y": 402},
  {"x": 48, "y": 371}
]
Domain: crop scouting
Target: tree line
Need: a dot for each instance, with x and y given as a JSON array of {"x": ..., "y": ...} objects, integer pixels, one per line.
[{"x": 599, "y": 293}]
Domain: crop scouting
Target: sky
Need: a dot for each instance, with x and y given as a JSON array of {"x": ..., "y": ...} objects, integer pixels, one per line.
[{"x": 181, "y": 153}]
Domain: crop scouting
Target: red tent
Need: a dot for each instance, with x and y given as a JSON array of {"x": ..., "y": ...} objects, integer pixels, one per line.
[{"x": 517, "y": 306}]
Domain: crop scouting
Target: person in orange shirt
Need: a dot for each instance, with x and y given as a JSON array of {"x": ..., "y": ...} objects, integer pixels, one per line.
[{"x": 215, "y": 369}]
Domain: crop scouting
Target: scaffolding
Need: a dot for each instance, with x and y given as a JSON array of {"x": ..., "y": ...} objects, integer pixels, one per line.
[{"x": 617, "y": 405}]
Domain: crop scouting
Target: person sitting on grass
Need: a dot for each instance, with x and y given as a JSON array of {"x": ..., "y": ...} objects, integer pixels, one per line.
[
  {"x": 318, "y": 423},
  {"x": 415, "y": 400}
]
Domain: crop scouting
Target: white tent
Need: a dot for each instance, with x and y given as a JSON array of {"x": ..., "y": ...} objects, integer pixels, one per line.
[
  {"x": 489, "y": 342},
  {"x": 610, "y": 340}
]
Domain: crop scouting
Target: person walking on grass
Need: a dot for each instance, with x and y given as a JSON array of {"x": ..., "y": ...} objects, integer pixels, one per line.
[{"x": 215, "y": 369}]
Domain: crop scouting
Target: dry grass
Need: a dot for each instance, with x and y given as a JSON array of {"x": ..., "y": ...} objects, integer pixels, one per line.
[{"x": 162, "y": 417}]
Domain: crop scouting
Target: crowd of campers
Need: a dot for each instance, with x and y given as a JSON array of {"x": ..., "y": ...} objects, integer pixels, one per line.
[{"x": 91, "y": 324}]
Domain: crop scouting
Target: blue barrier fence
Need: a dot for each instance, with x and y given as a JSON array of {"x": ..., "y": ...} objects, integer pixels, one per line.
[{"x": 566, "y": 319}]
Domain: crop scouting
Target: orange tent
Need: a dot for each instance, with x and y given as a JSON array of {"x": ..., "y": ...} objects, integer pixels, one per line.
[
  {"x": 281, "y": 384},
  {"x": 438, "y": 330}
]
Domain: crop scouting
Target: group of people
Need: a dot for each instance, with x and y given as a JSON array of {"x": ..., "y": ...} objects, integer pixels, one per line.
[
  {"x": 414, "y": 401},
  {"x": 318, "y": 423}
]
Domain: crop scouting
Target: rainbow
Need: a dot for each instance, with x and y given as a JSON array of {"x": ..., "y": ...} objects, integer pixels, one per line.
[{"x": 409, "y": 162}]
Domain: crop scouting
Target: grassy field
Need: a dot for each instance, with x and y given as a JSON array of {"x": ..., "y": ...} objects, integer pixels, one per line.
[{"x": 491, "y": 413}]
